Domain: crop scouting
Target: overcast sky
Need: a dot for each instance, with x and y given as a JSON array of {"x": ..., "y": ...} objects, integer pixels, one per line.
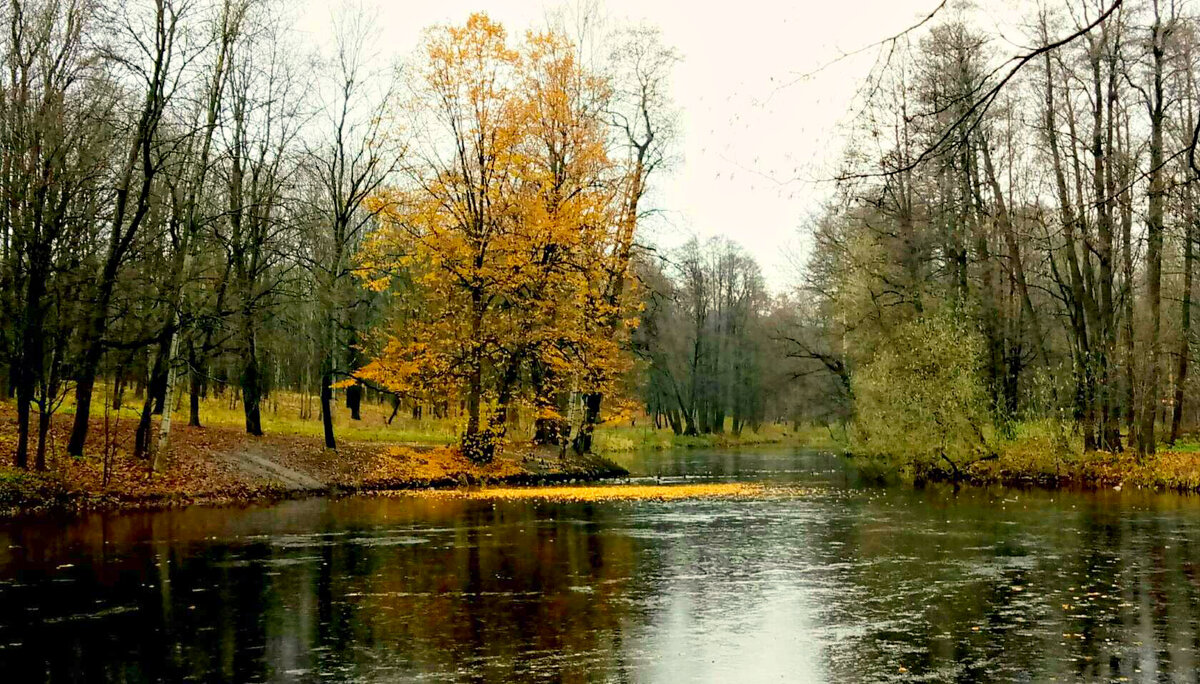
[{"x": 757, "y": 141}]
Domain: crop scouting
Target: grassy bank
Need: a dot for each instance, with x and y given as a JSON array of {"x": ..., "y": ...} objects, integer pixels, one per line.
[
  {"x": 625, "y": 438},
  {"x": 219, "y": 463},
  {"x": 1046, "y": 455},
  {"x": 222, "y": 467}
]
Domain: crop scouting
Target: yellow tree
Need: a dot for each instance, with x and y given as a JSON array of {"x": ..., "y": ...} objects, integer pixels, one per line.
[
  {"x": 571, "y": 201},
  {"x": 497, "y": 225}
]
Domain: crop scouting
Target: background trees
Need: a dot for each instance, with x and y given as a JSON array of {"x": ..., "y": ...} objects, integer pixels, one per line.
[
  {"x": 1056, "y": 217},
  {"x": 165, "y": 176},
  {"x": 706, "y": 335}
]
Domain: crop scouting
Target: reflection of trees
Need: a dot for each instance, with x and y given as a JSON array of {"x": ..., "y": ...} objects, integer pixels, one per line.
[
  {"x": 502, "y": 592},
  {"x": 525, "y": 591}
]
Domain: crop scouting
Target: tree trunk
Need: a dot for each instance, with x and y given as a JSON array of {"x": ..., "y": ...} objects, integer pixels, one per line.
[
  {"x": 591, "y": 417},
  {"x": 1185, "y": 315},
  {"x": 354, "y": 401},
  {"x": 252, "y": 388},
  {"x": 1154, "y": 242},
  {"x": 197, "y": 385},
  {"x": 154, "y": 386},
  {"x": 674, "y": 421},
  {"x": 1127, "y": 273},
  {"x": 327, "y": 404},
  {"x": 43, "y": 432},
  {"x": 32, "y": 349}
]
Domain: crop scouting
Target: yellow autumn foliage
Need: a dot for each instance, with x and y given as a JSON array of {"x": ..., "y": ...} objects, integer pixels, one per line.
[{"x": 505, "y": 227}]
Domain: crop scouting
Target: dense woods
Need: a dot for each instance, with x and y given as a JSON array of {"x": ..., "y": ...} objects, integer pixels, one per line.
[
  {"x": 1013, "y": 243},
  {"x": 181, "y": 206},
  {"x": 196, "y": 204}
]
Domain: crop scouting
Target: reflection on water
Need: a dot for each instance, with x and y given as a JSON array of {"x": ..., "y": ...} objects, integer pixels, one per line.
[{"x": 826, "y": 581}]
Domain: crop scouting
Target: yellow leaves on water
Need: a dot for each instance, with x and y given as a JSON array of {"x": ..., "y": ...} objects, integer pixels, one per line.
[{"x": 606, "y": 492}]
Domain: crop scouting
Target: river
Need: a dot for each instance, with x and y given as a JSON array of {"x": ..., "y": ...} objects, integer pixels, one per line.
[{"x": 819, "y": 578}]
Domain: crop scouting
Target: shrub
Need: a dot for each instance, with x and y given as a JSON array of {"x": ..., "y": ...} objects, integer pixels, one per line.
[
  {"x": 24, "y": 490},
  {"x": 921, "y": 397}
]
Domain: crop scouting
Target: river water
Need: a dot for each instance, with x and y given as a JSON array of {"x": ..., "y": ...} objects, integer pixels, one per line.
[{"x": 821, "y": 578}]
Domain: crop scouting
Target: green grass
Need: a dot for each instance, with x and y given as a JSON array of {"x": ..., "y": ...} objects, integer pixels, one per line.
[
  {"x": 281, "y": 415},
  {"x": 624, "y": 438}
]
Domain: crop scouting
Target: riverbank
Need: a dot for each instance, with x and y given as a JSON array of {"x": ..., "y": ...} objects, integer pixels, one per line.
[
  {"x": 1038, "y": 461},
  {"x": 221, "y": 465},
  {"x": 1167, "y": 470},
  {"x": 626, "y": 439}
]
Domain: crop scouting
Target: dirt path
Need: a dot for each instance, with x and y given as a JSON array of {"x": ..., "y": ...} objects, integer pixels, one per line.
[{"x": 255, "y": 463}]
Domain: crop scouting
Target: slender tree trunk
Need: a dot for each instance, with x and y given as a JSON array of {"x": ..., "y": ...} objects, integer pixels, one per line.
[
  {"x": 196, "y": 378},
  {"x": 43, "y": 433},
  {"x": 32, "y": 352},
  {"x": 471, "y": 438},
  {"x": 1105, "y": 189},
  {"x": 354, "y": 401},
  {"x": 1127, "y": 274},
  {"x": 327, "y": 405},
  {"x": 1154, "y": 242},
  {"x": 155, "y": 384},
  {"x": 251, "y": 380},
  {"x": 1185, "y": 315}
]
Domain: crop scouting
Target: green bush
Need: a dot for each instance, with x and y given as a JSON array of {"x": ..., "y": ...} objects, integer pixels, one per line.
[
  {"x": 24, "y": 490},
  {"x": 921, "y": 398}
]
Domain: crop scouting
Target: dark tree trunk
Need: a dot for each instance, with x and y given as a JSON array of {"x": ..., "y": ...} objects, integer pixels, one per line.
[
  {"x": 141, "y": 437},
  {"x": 354, "y": 401},
  {"x": 475, "y": 442},
  {"x": 194, "y": 401},
  {"x": 43, "y": 431},
  {"x": 591, "y": 417},
  {"x": 196, "y": 383},
  {"x": 120, "y": 382},
  {"x": 84, "y": 384},
  {"x": 1185, "y": 321},
  {"x": 327, "y": 405},
  {"x": 154, "y": 387},
  {"x": 674, "y": 421},
  {"x": 252, "y": 396},
  {"x": 1154, "y": 240},
  {"x": 32, "y": 351}
]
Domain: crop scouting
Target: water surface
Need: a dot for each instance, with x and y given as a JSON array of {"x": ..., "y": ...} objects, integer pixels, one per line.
[{"x": 818, "y": 579}]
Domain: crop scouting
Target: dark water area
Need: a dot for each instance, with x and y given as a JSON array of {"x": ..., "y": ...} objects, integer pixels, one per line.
[{"x": 821, "y": 578}]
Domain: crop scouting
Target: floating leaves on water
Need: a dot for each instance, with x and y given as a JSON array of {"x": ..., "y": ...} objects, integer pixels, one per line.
[{"x": 606, "y": 492}]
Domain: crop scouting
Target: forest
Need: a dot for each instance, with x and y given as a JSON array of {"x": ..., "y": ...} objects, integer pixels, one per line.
[
  {"x": 201, "y": 207},
  {"x": 197, "y": 206},
  {"x": 1012, "y": 248}
]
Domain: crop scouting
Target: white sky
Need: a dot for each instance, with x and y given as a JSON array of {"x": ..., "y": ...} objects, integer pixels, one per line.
[{"x": 756, "y": 144}]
